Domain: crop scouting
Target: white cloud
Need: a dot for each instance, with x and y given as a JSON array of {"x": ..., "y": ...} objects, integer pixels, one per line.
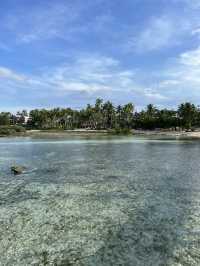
[
  {"x": 6, "y": 73},
  {"x": 85, "y": 77},
  {"x": 160, "y": 32},
  {"x": 154, "y": 95},
  {"x": 91, "y": 74},
  {"x": 100, "y": 76},
  {"x": 196, "y": 32},
  {"x": 55, "y": 19},
  {"x": 180, "y": 80},
  {"x": 169, "y": 82},
  {"x": 187, "y": 69},
  {"x": 191, "y": 58},
  {"x": 42, "y": 22},
  {"x": 157, "y": 35}
]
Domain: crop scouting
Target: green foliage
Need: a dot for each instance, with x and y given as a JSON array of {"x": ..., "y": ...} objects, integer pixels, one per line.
[
  {"x": 11, "y": 130},
  {"x": 106, "y": 116},
  {"x": 5, "y": 118},
  {"x": 187, "y": 113},
  {"x": 153, "y": 118},
  {"x": 120, "y": 131}
]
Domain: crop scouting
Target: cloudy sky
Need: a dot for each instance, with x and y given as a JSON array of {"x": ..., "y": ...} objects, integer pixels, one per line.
[{"x": 69, "y": 52}]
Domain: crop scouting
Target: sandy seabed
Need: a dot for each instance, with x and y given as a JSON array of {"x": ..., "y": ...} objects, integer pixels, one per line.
[{"x": 118, "y": 201}]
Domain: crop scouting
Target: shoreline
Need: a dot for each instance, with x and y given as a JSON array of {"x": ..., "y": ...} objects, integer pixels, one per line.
[
  {"x": 145, "y": 133},
  {"x": 172, "y": 134},
  {"x": 84, "y": 132}
]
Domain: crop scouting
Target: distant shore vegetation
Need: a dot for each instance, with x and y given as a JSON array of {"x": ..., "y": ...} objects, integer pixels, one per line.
[
  {"x": 11, "y": 130},
  {"x": 102, "y": 115}
]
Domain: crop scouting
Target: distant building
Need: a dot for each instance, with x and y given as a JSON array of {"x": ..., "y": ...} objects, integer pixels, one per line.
[
  {"x": 20, "y": 119},
  {"x": 27, "y": 119}
]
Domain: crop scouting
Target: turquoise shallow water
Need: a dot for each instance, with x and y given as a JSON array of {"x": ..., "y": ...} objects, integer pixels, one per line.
[{"x": 100, "y": 201}]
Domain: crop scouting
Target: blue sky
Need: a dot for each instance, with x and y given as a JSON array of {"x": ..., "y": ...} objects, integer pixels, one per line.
[{"x": 69, "y": 52}]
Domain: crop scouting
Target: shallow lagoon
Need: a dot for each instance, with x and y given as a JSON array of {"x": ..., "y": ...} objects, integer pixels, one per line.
[{"x": 100, "y": 201}]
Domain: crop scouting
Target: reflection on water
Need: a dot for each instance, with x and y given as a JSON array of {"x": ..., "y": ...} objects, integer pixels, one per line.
[{"x": 105, "y": 201}]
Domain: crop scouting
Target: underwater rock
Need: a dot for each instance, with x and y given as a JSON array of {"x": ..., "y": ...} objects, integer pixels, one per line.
[{"x": 17, "y": 169}]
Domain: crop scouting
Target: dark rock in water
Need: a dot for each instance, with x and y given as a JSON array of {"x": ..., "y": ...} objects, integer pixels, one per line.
[{"x": 18, "y": 170}]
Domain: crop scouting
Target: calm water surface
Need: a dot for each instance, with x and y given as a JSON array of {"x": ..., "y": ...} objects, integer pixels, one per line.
[{"x": 100, "y": 201}]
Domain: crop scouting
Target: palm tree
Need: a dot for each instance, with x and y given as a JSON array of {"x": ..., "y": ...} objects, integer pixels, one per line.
[
  {"x": 109, "y": 114},
  {"x": 128, "y": 114},
  {"x": 98, "y": 114},
  {"x": 151, "y": 110},
  {"x": 187, "y": 113}
]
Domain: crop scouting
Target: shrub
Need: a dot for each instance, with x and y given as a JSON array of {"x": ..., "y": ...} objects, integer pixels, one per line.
[
  {"x": 120, "y": 131},
  {"x": 11, "y": 130}
]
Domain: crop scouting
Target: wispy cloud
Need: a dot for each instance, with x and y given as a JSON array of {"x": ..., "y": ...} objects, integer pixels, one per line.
[
  {"x": 191, "y": 58},
  {"x": 55, "y": 19},
  {"x": 160, "y": 32},
  {"x": 4, "y": 47},
  {"x": 196, "y": 32},
  {"x": 75, "y": 51},
  {"x": 153, "y": 95},
  {"x": 8, "y": 74},
  {"x": 157, "y": 35},
  {"x": 88, "y": 76},
  {"x": 180, "y": 80},
  {"x": 192, "y": 3},
  {"x": 186, "y": 69},
  {"x": 43, "y": 22}
]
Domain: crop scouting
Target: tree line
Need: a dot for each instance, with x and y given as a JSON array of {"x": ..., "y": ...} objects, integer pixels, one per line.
[{"x": 104, "y": 115}]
